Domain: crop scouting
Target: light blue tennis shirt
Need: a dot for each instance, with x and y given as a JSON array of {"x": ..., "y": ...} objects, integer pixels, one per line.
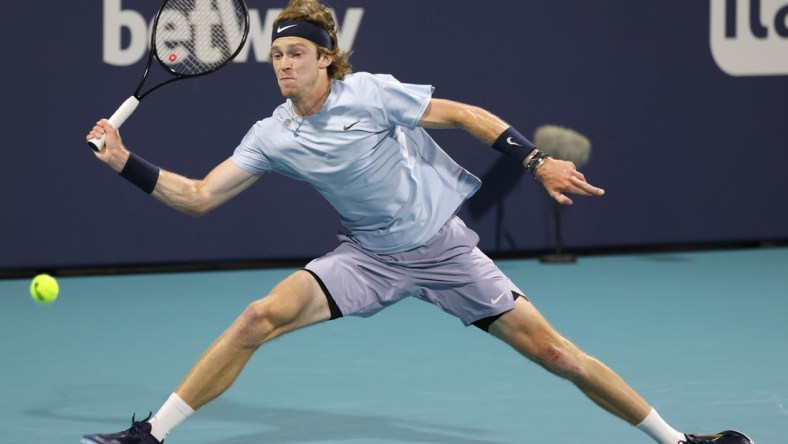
[{"x": 391, "y": 184}]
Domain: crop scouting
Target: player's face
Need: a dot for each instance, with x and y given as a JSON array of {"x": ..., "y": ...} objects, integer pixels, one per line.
[{"x": 297, "y": 66}]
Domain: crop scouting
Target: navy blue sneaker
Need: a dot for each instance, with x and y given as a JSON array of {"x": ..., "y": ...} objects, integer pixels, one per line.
[
  {"x": 726, "y": 437},
  {"x": 139, "y": 433}
]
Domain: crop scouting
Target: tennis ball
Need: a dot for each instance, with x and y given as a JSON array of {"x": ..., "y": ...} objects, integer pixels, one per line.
[{"x": 44, "y": 289}]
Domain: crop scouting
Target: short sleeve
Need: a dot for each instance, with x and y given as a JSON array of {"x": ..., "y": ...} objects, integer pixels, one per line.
[
  {"x": 404, "y": 103},
  {"x": 249, "y": 153}
]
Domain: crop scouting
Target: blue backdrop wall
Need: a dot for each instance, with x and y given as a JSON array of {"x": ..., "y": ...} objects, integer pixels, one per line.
[{"x": 685, "y": 103}]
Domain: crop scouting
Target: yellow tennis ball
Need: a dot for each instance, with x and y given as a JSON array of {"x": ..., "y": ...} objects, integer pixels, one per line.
[{"x": 44, "y": 289}]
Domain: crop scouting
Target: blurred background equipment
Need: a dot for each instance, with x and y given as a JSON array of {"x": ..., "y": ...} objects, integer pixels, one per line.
[{"x": 564, "y": 144}]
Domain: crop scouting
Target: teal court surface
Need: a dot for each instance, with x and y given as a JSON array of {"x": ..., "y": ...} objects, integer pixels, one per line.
[{"x": 701, "y": 335}]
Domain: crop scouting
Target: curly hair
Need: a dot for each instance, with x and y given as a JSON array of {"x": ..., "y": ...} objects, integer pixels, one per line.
[{"x": 319, "y": 14}]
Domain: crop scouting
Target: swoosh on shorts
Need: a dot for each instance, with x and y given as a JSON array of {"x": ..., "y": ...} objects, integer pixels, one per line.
[{"x": 495, "y": 301}]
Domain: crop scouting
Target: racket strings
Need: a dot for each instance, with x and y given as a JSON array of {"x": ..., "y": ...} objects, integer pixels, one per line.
[{"x": 198, "y": 36}]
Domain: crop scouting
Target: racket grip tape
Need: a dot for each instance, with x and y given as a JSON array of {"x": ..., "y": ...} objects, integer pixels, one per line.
[{"x": 116, "y": 120}]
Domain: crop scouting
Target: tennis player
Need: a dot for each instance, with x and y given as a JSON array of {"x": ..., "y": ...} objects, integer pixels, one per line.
[{"x": 359, "y": 139}]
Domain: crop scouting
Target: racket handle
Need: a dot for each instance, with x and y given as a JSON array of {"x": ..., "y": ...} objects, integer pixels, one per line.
[{"x": 116, "y": 120}]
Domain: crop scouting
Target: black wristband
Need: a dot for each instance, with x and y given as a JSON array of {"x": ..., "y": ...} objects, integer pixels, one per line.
[
  {"x": 140, "y": 172},
  {"x": 514, "y": 144}
]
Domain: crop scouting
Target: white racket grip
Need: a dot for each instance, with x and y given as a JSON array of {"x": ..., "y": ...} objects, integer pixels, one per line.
[{"x": 116, "y": 120}]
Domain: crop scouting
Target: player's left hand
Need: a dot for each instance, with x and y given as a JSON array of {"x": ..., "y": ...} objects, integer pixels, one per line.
[{"x": 561, "y": 176}]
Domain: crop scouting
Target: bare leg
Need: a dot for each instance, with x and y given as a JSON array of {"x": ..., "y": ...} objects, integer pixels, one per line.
[
  {"x": 529, "y": 333},
  {"x": 296, "y": 302}
]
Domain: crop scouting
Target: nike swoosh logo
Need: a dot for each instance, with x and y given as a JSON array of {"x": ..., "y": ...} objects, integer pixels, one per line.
[
  {"x": 495, "y": 301},
  {"x": 512, "y": 142},
  {"x": 280, "y": 29},
  {"x": 347, "y": 127}
]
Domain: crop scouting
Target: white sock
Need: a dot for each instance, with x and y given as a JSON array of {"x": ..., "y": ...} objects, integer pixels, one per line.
[
  {"x": 659, "y": 430},
  {"x": 173, "y": 412}
]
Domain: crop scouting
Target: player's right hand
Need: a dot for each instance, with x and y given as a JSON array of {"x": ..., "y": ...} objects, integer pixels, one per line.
[{"x": 113, "y": 153}]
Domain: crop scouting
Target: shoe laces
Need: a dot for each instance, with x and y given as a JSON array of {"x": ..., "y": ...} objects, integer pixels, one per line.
[{"x": 136, "y": 426}]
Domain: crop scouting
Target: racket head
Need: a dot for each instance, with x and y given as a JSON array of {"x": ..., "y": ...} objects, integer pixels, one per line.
[{"x": 196, "y": 37}]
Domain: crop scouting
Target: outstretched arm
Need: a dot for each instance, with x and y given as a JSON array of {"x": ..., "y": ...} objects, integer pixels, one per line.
[
  {"x": 190, "y": 196},
  {"x": 557, "y": 176}
]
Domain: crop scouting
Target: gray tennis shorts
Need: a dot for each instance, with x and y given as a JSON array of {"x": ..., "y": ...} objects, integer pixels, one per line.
[{"x": 448, "y": 271}]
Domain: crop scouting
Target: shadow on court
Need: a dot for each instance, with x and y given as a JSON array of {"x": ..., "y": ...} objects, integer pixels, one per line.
[
  {"x": 289, "y": 425},
  {"x": 278, "y": 425}
]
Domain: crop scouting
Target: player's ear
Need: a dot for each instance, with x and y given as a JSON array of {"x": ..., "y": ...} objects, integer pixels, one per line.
[{"x": 326, "y": 59}]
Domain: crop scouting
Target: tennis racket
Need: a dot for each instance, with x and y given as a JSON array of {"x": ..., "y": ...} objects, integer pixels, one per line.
[{"x": 189, "y": 38}]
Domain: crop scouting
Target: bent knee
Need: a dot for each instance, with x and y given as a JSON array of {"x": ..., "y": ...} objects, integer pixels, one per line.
[{"x": 258, "y": 323}]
